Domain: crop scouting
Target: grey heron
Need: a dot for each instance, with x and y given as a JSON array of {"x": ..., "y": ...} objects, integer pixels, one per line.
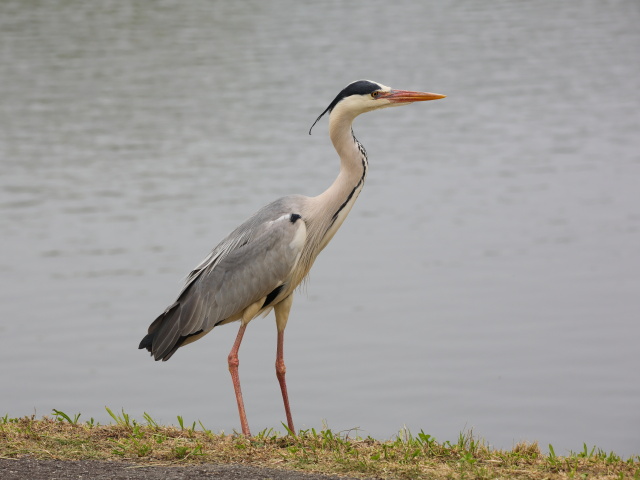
[{"x": 257, "y": 267}]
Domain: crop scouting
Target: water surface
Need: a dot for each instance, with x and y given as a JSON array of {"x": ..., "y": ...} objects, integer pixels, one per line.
[{"x": 487, "y": 279}]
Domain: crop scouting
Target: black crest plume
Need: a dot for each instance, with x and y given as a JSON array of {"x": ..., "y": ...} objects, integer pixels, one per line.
[{"x": 359, "y": 87}]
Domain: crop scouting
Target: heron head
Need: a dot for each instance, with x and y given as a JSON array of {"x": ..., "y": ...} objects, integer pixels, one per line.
[{"x": 364, "y": 96}]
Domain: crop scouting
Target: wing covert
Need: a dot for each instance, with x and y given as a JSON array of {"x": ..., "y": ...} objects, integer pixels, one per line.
[
  {"x": 245, "y": 275},
  {"x": 249, "y": 264}
]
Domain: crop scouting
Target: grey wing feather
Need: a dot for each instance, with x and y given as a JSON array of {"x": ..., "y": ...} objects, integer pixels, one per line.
[
  {"x": 245, "y": 233},
  {"x": 250, "y": 273},
  {"x": 251, "y": 262}
]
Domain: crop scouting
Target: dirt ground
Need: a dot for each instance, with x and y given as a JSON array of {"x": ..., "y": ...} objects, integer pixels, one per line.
[{"x": 31, "y": 469}]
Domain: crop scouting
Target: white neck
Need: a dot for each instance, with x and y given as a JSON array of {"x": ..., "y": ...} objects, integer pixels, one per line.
[{"x": 335, "y": 203}]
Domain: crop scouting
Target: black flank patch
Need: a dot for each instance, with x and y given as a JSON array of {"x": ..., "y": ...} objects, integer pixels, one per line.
[{"x": 274, "y": 293}]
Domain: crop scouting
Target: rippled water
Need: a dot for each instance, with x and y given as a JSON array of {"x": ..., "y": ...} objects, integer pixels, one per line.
[{"x": 487, "y": 279}]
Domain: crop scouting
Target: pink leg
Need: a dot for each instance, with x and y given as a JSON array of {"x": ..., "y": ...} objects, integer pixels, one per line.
[
  {"x": 233, "y": 368},
  {"x": 281, "y": 369}
]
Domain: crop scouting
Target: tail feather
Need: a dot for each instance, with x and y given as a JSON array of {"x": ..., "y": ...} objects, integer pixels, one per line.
[{"x": 163, "y": 337}]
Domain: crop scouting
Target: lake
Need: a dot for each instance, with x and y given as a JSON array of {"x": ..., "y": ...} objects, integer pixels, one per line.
[{"x": 487, "y": 279}]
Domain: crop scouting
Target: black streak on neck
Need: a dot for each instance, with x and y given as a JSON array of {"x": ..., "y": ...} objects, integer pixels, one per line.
[{"x": 360, "y": 182}]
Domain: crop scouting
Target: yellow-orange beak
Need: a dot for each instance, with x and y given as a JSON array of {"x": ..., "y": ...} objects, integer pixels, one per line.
[{"x": 407, "y": 96}]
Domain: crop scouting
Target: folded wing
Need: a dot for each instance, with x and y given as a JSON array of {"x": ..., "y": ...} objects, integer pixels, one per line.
[{"x": 234, "y": 281}]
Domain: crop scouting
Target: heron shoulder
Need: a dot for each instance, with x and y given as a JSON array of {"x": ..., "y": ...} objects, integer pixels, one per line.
[
  {"x": 248, "y": 231},
  {"x": 242, "y": 280}
]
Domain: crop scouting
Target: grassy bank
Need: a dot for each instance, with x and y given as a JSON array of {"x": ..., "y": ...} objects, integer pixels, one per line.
[{"x": 409, "y": 456}]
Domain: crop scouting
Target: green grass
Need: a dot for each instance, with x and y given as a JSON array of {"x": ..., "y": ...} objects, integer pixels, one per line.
[{"x": 406, "y": 456}]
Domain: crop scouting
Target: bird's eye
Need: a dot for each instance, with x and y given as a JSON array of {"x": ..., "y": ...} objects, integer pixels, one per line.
[{"x": 375, "y": 94}]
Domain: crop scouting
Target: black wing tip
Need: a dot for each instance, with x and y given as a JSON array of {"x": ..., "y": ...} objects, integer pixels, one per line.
[
  {"x": 156, "y": 327},
  {"x": 146, "y": 342}
]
